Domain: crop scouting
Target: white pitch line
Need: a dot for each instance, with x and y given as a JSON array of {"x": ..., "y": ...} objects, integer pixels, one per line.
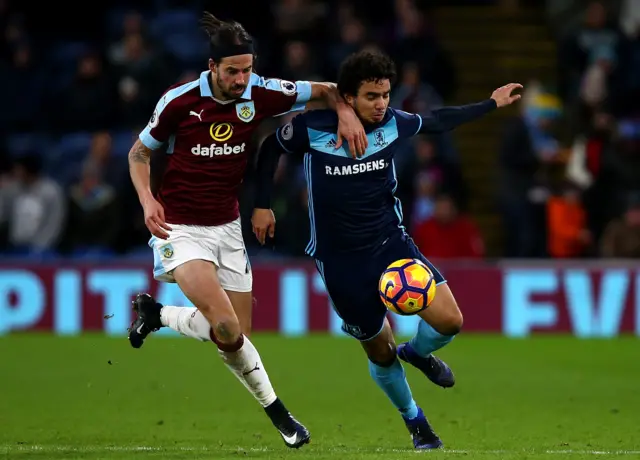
[{"x": 60, "y": 448}]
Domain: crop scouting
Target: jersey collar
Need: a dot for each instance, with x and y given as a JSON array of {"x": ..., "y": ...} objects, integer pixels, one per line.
[{"x": 372, "y": 127}]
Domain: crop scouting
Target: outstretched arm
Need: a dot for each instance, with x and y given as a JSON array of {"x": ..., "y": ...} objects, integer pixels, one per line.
[
  {"x": 349, "y": 126},
  {"x": 448, "y": 118}
]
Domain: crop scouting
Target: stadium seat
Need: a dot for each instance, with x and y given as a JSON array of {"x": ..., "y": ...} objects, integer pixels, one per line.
[
  {"x": 67, "y": 52},
  {"x": 74, "y": 145},
  {"x": 62, "y": 61},
  {"x": 64, "y": 161},
  {"x": 20, "y": 144},
  {"x": 139, "y": 254},
  {"x": 188, "y": 48},
  {"x": 26, "y": 254},
  {"x": 174, "y": 21},
  {"x": 121, "y": 142},
  {"x": 92, "y": 253}
]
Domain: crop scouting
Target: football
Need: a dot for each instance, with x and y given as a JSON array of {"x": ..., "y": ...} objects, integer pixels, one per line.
[{"x": 407, "y": 287}]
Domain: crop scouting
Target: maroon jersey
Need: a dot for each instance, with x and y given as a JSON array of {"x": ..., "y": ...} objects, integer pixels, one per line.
[{"x": 208, "y": 144}]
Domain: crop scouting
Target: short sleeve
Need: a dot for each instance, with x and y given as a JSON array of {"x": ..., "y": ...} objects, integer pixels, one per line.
[
  {"x": 284, "y": 96},
  {"x": 409, "y": 124},
  {"x": 162, "y": 125},
  {"x": 293, "y": 137}
]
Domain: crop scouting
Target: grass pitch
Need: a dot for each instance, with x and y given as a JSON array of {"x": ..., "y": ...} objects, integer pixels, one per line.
[{"x": 94, "y": 397}]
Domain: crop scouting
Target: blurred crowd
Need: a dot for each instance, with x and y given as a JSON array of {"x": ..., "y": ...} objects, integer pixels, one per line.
[
  {"x": 80, "y": 94},
  {"x": 570, "y": 162}
]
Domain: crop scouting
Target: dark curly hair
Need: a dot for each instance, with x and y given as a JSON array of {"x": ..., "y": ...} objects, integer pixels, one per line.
[{"x": 364, "y": 66}]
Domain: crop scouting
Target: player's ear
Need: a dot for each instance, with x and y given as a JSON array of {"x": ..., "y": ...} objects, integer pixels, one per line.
[
  {"x": 212, "y": 65},
  {"x": 350, "y": 98}
]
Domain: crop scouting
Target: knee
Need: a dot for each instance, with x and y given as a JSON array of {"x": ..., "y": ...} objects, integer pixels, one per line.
[
  {"x": 384, "y": 355},
  {"x": 450, "y": 323},
  {"x": 226, "y": 331}
]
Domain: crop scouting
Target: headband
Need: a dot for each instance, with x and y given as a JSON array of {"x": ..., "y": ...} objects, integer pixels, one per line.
[{"x": 218, "y": 52}]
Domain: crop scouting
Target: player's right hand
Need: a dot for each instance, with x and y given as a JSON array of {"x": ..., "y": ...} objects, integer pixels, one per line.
[
  {"x": 154, "y": 219},
  {"x": 263, "y": 222}
]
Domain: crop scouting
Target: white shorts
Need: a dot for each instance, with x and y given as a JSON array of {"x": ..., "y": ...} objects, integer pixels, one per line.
[{"x": 222, "y": 245}]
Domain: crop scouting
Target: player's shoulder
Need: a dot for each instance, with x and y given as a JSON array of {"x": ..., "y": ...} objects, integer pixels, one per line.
[
  {"x": 181, "y": 94},
  {"x": 407, "y": 124},
  {"x": 320, "y": 120},
  {"x": 400, "y": 114},
  {"x": 267, "y": 85}
]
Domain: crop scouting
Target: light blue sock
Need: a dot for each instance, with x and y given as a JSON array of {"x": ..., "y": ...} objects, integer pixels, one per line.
[
  {"x": 427, "y": 339},
  {"x": 393, "y": 382}
]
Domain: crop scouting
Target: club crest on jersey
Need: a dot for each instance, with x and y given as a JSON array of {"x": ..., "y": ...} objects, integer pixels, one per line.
[
  {"x": 167, "y": 251},
  {"x": 378, "y": 137},
  {"x": 246, "y": 111}
]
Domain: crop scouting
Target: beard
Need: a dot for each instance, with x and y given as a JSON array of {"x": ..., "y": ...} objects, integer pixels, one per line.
[{"x": 227, "y": 92}]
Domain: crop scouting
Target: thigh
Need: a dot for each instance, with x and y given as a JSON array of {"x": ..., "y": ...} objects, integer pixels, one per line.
[
  {"x": 354, "y": 296},
  {"x": 411, "y": 251},
  {"x": 185, "y": 243},
  {"x": 234, "y": 269},
  {"x": 199, "y": 282},
  {"x": 443, "y": 314}
]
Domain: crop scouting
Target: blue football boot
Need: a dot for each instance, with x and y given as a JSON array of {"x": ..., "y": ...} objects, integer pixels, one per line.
[
  {"x": 434, "y": 368},
  {"x": 422, "y": 434}
]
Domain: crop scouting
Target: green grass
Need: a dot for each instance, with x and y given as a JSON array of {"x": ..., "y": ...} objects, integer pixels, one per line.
[{"x": 94, "y": 397}]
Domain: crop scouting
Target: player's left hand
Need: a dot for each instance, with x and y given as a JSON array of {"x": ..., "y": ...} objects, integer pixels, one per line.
[
  {"x": 264, "y": 223},
  {"x": 503, "y": 96},
  {"x": 351, "y": 130}
]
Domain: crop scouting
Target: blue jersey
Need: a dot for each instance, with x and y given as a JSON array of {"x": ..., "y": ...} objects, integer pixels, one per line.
[
  {"x": 352, "y": 206},
  {"x": 352, "y": 202}
]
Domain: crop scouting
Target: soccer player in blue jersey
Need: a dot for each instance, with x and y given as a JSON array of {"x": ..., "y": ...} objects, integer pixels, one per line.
[{"x": 356, "y": 223}]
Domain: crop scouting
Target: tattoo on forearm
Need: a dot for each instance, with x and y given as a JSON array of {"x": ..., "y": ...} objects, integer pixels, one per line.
[{"x": 139, "y": 153}]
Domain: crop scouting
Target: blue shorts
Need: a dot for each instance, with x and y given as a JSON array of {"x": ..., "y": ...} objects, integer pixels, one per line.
[{"x": 352, "y": 284}]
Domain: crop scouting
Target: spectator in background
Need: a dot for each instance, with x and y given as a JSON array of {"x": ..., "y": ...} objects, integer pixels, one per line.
[
  {"x": 584, "y": 168},
  {"x": 87, "y": 103},
  {"x": 132, "y": 25},
  {"x": 448, "y": 234},
  {"x": 22, "y": 74},
  {"x": 93, "y": 219},
  {"x": 34, "y": 207},
  {"x": 426, "y": 173},
  {"x": 568, "y": 235},
  {"x": 299, "y": 63},
  {"x": 140, "y": 77},
  {"x": 353, "y": 36},
  {"x": 414, "y": 95},
  {"x": 415, "y": 42},
  {"x": 621, "y": 238},
  {"x": 596, "y": 37},
  {"x": 529, "y": 147}
]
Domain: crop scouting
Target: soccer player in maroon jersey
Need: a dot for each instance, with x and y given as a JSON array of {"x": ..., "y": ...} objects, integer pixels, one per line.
[{"x": 206, "y": 126}]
